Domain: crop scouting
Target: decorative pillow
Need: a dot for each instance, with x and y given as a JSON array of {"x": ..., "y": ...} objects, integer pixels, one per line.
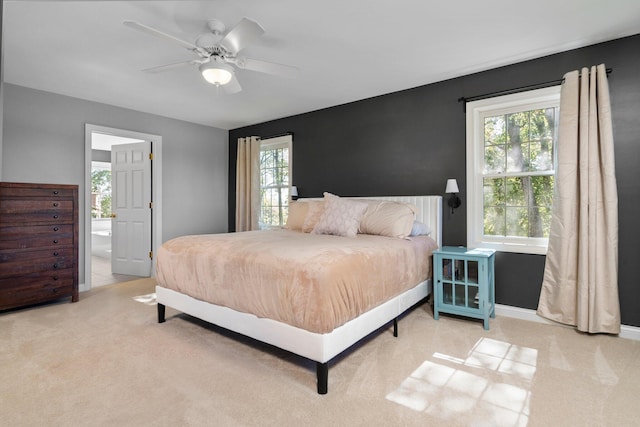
[
  {"x": 387, "y": 218},
  {"x": 341, "y": 217},
  {"x": 420, "y": 229},
  {"x": 314, "y": 212},
  {"x": 297, "y": 214}
]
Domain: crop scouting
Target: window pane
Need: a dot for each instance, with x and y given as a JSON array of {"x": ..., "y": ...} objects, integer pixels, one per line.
[
  {"x": 518, "y": 127},
  {"x": 542, "y": 188},
  {"x": 494, "y": 130},
  {"x": 494, "y": 221},
  {"x": 494, "y": 192},
  {"x": 540, "y": 211},
  {"x": 494, "y": 159},
  {"x": 517, "y": 157},
  {"x": 266, "y": 160},
  {"x": 542, "y": 155},
  {"x": 517, "y": 221},
  {"x": 542, "y": 123},
  {"x": 515, "y": 192}
]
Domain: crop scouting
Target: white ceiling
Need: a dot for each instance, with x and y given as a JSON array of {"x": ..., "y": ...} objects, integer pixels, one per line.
[{"x": 346, "y": 50}]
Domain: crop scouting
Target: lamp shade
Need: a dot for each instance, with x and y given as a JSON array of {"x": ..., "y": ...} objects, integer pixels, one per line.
[
  {"x": 216, "y": 73},
  {"x": 452, "y": 186}
]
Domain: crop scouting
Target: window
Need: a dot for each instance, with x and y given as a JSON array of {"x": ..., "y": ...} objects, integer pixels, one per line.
[
  {"x": 511, "y": 146},
  {"x": 275, "y": 173}
]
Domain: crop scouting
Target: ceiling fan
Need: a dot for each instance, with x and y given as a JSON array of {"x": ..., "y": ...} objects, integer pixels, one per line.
[{"x": 217, "y": 52}]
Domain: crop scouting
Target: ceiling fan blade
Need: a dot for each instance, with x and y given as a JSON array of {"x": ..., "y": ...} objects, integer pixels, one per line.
[
  {"x": 268, "y": 67},
  {"x": 152, "y": 31},
  {"x": 233, "y": 86},
  {"x": 241, "y": 35},
  {"x": 162, "y": 68}
]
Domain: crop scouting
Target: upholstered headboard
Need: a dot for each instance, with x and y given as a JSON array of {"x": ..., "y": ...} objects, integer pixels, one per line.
[{"x": 429, "y": 210}]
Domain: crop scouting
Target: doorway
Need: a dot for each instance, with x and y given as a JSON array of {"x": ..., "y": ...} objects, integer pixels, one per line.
[{"x": 103, "y": 250}]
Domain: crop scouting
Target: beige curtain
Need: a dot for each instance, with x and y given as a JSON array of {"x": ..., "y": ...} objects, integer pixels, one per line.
[
  {"x": 580, "y": 284},
  {"x": 248, "y": 184}
]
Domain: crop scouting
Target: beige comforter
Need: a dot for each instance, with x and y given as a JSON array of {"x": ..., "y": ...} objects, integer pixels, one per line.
[{"x": 314, "y": 282}]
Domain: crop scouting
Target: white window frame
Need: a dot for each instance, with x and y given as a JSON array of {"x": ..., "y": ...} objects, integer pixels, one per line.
[
  {"x": 285, "y": 141},
  {"x": 476, "y": 112}
]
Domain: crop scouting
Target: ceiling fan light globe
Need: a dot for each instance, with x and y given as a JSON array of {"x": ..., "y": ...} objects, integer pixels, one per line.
[{"x": 217, "y": 74}]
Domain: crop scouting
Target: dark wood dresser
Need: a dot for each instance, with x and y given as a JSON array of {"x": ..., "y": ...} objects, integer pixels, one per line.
[{"x": 38, "y": 243}]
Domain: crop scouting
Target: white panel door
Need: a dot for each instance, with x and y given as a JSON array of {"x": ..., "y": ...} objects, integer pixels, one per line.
[{"x": 131, "y": 209}]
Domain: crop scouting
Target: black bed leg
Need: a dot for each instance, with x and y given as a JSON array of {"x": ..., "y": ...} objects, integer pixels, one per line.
[
  {"x": 160, "y": 313},
  {"x": 395, "y": 328},
  {"x": 322, "y": 372}
]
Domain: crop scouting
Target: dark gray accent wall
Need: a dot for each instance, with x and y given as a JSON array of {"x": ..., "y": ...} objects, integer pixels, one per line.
[{"x": 410, "y": 142}]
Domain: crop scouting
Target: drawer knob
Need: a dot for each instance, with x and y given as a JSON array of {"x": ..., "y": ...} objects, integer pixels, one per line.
[
  {"x": 55, "y": 191},
  {"x": 56, "y": 228},
  {"x": 55, "y": 204},
  {"x": 55, "y": 277},
  {"x": 55, "y": 241},
  {"x": 55, "y": 266},
  {"x": 56, "y": 253},
  {"x": 55, "y": 217}
]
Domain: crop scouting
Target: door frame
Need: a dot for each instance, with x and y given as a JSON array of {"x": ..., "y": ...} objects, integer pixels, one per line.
[{"x": 156, "y": 193}]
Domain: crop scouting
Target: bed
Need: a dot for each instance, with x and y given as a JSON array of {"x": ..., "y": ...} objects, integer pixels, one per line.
[{"x": 292, "y": 305}]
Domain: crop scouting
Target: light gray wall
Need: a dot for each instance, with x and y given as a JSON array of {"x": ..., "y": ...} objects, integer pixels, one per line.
[
  {"x": 44, "y": 142},
  {"x": 1, "y": 82}
]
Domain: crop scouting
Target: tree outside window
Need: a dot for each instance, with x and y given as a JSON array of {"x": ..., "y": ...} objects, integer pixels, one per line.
[{"x": 518, "y": 173}]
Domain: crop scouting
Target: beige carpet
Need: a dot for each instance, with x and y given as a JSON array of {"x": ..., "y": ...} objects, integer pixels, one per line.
[{"x": 104, "y": 361}]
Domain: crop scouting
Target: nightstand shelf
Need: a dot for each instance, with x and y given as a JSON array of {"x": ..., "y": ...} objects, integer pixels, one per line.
[{"x": 464, "y": 283}]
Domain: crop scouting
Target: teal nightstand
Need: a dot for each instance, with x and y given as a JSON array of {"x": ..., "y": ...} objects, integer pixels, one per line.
[{"x": 464, "y": 282}]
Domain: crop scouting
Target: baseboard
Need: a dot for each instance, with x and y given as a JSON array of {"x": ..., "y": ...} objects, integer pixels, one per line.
[{"x": 628, "y": 332}]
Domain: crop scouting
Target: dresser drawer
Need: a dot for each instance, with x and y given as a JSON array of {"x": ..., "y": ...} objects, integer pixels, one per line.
[
  {"x": 19, "y": 263},
  {"x": 24, "y": 191},
  {"x": 21, "y": 237},
  {"x": 36, "y": 287},
  {"x": 19, "y": 211}
]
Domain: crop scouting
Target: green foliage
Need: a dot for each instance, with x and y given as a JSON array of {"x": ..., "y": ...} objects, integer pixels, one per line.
[
  {"x": 519, "y": 167},
  {"x": 101, "y": 188},
  {"x": 100, "y": 180}
]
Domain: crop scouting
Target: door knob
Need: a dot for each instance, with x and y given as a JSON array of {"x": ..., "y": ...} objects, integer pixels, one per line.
[{"x": 113, "y": 215}]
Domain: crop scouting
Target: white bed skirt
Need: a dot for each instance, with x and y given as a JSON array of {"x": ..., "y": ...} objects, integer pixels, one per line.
[{"x": 318, "y": 347}]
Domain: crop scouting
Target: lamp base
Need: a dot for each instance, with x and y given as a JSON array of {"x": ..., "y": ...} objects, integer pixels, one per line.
[{"x": 454, "y": 202}]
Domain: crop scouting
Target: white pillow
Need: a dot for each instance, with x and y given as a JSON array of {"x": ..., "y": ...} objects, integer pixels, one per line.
[
  {"x": 387, "y": 218},
  {"x": 314, "y": 212},
  {"x": 341, "y": 217},
  {"x": 420, "y": 229},
  {"x": 297, "y": 215}
]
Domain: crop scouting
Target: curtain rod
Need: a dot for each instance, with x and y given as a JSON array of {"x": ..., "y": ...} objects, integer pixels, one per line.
[
  {"x": 516, "y": 90},
  {"x": 277, "y": 135}
]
